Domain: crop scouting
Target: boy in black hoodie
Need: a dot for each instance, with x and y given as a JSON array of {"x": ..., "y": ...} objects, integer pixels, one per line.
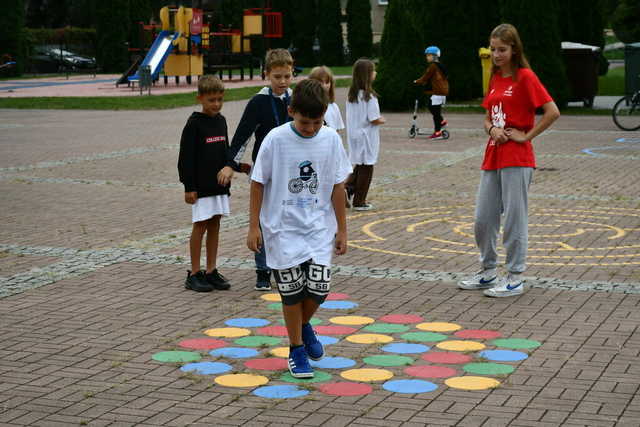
[{"x": 203, "y": 153}]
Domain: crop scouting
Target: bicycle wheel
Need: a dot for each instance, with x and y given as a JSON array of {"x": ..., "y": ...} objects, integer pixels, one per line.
[{"x": 626, "y": 113}]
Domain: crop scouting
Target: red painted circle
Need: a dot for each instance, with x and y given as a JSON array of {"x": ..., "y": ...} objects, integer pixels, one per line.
[
  {"x": 334, "y": 330},
  {"x": 268, "y": 364},
  {"x": 430, "y": 371},
  {"x": 335, "y": 296},
  {"x": 447, "y": 357},
  {"x": 478, "y": 334},
  {"x": 278, "y": 331},
  {"x": 345, "y": 389},
  {"x": 203, "y": 343},
  {"x": 401, "y": 318}
]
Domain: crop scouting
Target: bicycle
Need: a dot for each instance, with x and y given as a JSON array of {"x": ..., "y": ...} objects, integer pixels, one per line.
[{"x": 626, "y": 112}]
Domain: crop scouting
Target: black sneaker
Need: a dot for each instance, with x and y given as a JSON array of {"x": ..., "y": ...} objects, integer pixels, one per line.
[
  {"x": 197, "y": 282},
  {"x": 263, "y": 281},
  {"x": 217, "y": 280}
]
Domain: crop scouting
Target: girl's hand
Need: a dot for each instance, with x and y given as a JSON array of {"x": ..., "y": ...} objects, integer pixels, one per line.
[
  {"x": 191, "y": 197},
  {"x": 254, "y": 239},
  {"x": 224, "y": 176},
  {"x": 516, "y": 135},
  {"x": 499, "y": 135},
  {"x": 341, "y": 243}
]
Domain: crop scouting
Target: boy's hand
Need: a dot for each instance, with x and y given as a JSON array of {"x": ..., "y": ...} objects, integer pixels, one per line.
[
  {"x": 254, "y": 239},
  {"x": 191, "y": 197},
  {"x": 341, "y": 242},
  {"x": 224, "y": 176},
  {"x": 245, "y": 168}
]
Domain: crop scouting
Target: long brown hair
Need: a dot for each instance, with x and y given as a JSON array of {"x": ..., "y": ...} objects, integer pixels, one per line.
[
  {"x": 362, "y": 80},
  {"x": 508, "y": 34},
  {"x": 324, "y": 74}
]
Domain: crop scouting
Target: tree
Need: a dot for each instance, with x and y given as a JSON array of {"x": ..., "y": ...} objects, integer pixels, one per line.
[
  {"x": 12, "y": 35},
  {"x": 359, "y": 32},
  {"x": 330, "y": 32},
  {"x": 112, "y": 32},
  {"x": 625, "y": 21},
  {"x": 304, "y": 17}
]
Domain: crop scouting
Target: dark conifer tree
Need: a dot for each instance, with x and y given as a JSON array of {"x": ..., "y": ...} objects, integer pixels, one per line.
[
  {"x": 626, "y": 21},
  {"x": 305, "y": 19},
  {"x": 359, "y": 31},
  {"x": 12, "y": 35},
  {"x": 111, "y": 33},
  {"x": 330, "y": 32}
]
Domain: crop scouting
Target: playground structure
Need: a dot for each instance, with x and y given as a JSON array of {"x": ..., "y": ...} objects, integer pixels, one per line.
[{"x": 187, "y": 46}]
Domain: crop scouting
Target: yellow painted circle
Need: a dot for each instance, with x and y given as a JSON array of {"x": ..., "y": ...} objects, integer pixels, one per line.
[
  {"x": 367, "y": 374},
  {"x": 460, "y": 345},
  {"x": 472, "y": 383},
  {"x": 369, "y": 338},
  {"x": 280, "y": 352},
  {"x": 351, "y": 320},
  {"x": 438, "y": 326},
  {"x": 241, "y": 380},
  {"x": 227, "y": 332},
  {"x": 271, "y": 297}
]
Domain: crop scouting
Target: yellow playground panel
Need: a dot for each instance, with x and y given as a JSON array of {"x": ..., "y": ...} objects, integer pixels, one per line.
[{"x": 185, "y": 60}]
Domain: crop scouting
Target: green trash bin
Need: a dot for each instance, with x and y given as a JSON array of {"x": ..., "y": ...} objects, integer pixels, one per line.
[
  {"x": 581, "y": 65},
  {"x": 632, "y": 68}
]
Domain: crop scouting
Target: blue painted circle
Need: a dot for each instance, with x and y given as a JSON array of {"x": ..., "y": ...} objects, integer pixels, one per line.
[
  {"x": 234, "y": 352},
  {"x": 503, "y": 355},
  {"x": 247, "y": 322},
  {"x": 332, "y": 363},
  {"x": 206, "y": 368},
  {"x": 404, "y": 348},
  {"x": 409, "y": 386},
  {"x": 327, "y": 340},
  {"x": 338, "y": 305},
  {"x": 280, "y": 391}
]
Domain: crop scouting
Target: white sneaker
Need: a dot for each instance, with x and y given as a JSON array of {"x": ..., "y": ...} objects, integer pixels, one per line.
[
  {"x": 483, "y": 279},
  {"x": 365, "y": 207},
  {"x": 510, "y": 286}
]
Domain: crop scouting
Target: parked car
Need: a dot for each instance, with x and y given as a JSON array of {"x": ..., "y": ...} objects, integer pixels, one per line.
[{"x": 47, "y": 59}]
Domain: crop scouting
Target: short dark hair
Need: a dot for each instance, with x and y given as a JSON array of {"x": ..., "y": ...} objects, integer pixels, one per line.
[{"x": 309, "y": 98}]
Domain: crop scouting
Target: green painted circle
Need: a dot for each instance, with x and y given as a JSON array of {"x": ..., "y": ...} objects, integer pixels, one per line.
[
  {"x": 488, "y": 368},
  {"x": 177, "y": 356},
  {"x": 318, "y": 376},
  {"x": 314, "y": 321},
  {"x": 275, "y": 306},
  {"x": 257, "y": 341},
  {"x": 388, "y": 360},
  {"x": 423, "y": 336},
  {"x": 515, "y": 343},
  {"x": 386, "y": 328}
]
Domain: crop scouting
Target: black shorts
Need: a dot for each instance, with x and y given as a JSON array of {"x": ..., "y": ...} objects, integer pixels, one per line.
[{"x": 307, "y": 280}]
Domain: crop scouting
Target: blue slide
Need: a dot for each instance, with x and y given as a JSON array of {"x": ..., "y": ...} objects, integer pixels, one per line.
[{"x": 160, "y": 49}]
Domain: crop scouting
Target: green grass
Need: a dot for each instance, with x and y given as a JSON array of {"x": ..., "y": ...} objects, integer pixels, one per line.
[
  {"x": 337, "y": 71},
  {"x": 613, "y": 83}
]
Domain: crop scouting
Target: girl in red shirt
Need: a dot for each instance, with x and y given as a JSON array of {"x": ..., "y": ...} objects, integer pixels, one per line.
[{"x": 507, "y": 168}]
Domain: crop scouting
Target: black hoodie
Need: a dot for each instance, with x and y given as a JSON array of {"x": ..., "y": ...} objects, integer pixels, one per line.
[{"x": 203, "y": 152}]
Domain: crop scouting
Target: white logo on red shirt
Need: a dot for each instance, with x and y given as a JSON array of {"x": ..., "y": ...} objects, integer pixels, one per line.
[
  {"x": 498, "y": 117},
  {"x": 509, "y": 91},
  {"x": 212, "y": 139}
]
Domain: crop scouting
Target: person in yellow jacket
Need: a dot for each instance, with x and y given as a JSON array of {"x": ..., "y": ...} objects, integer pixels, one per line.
[{"x": 435, "y": 77}]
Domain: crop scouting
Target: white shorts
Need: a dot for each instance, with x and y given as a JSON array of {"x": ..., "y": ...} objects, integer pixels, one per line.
[
  {"x": 438, "y": 99},
  {"x": 208, "y": 207}
]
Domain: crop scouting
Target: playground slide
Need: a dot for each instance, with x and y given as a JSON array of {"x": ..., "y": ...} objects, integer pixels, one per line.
[{"x": 156, "y": 56}]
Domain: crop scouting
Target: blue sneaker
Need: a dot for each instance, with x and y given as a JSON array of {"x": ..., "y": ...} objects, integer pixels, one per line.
[
  {"x": 299, "y": 366},
  {"x": 312, "y": 346},
  {"x": 510, "y": 286}
]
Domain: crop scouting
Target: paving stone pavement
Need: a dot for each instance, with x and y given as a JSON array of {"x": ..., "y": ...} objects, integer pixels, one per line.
[{"x": 93, "y": 257}]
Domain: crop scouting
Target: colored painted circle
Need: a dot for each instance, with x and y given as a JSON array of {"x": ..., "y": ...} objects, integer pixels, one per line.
[
  {"x": 257, "y": 341},
  {"x": 280, "y": 392},
  {"x": 401, "y": 318},
  {"x": 472, "y": 383},
  {"x": 423, "y": 336},
  {"x": 338, "y": 305},
  {"x": 447, "y": 357},
  {"x": 327, "y": 340},
  {"x": 333, "y": 296},
  {"x": 176, "y": 356},
  {"x": 275, "y": 306},
  {"x": 332, "y": 363},
  {"x": 503, "y": 355},
  {"x": 387, "y": 360},
  {"x": 351, "y": 320},
  {"x": 367, "y": 375},
  {"x": 314, "y": 321},
  {"x": 345, "y": 389},
  {"x": 268, "y": 364},
  {"x": 318, "y": 377},
  {"x": 478, "y": 334},
  {"x": 247, "y": 322},
  {"x": 426, "y": 371},
  {"x": 227, "y": 332},
  {"x": 280, "y": 352},
  {"x": 386, "y": 328},
  {"x": 334, "y": 330},
  {"x": 515, "y": 343},
  {"x": 203, "y": 343},
  {"x": 206, "y": 368},
  {"x": 234, "y": 352},
  {"x": 409, "y": 386},
  {"x": 405, "y": 348},
  {"x": 241, "y": 380},
  {"x": 458, "y": 345},
  {"x": 369, "y": 339},
  {"x": 488, "y": 368},
  {"x": 272, "y": 297},
  {"x": 278, "y": 331},
  {"x": 438, "y": 326}
]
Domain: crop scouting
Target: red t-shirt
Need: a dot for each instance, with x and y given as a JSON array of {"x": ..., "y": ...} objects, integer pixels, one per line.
[{"x": 513, "y": 105}]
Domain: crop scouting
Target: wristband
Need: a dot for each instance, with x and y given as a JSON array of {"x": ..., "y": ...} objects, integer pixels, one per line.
[{"x": 489, "y": 131}]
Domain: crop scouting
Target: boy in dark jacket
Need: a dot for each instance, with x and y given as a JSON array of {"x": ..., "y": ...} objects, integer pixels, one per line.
[{"x": 436, "y": 77}]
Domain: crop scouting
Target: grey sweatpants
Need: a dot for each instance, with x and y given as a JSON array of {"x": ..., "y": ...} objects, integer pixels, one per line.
[{"x": 503, "y": 189}]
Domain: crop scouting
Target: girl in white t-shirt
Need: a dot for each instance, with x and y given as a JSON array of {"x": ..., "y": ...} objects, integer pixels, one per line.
[
  {"x": 333, "y": 117},
  {"x": 363, "y": 133}
]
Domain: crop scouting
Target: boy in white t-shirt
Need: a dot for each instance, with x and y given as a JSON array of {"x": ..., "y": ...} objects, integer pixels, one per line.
[{"x": 298, "y": 198}]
